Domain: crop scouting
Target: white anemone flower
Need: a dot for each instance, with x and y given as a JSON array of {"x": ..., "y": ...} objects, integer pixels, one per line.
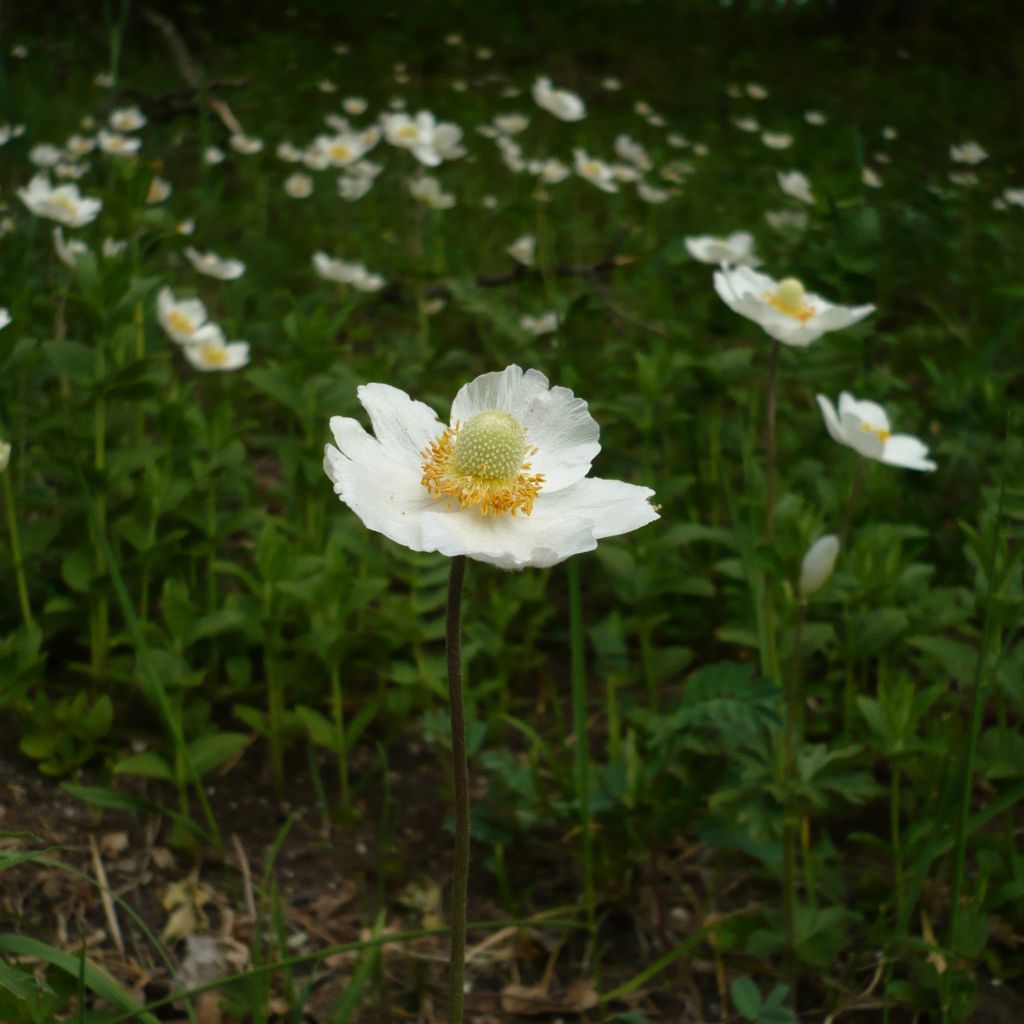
[
  {"x": 298, "y": 185},
  {"x": 342, "y": 149},
  {"x": 815, "y": 117},
  {"x": 430, "y": 141},
  {"x": 652, "y": 194},
  {"x": 784, "y": 309},
  {"x": 597, "y": 172},
  {"x": 45, "y": 155},
  {"x": 796, "y": 186},
  {"x": 352, "y": 189},
  {"x": 218, "y": 356},
  {"x": 68, "y": 249},
  {"x": 505, "y": 482},
  {"x": 116, "y": 144},
  {"x": 354, "y": 105},
  {"x": 127, "y": 119},
  {"x": 186, "y": 321},
  {"x": 864, "y": 427},
  {"x": 524, "y": 250},
  {"x": 777, "y": 140},
  {"x": 786, "y": 220},
  {"x": 546, "y": 323},
  {"x": 212, "y": 265},
  {"x": 427, "y": 190},
  {"x": 631, "y": 151},
  {"x": 63, "y": 204},
  {"x": 968, "y": 153},
  {"x": 5, "y": 453},
  {"x": 737, "y": 248},
  {"x": 565, "y": 105},
  {"x": 5, "y": 317},
  {"x": 213, "y": 155},
  {"x": 747, "y": 124},
  {"x": 247, "y": 145},
  {"x": 159, "y": 190},
  {"x": 511, "y": 124},
  {"x": 817, "y": 565},
  {"x": 343, "y": 272}
]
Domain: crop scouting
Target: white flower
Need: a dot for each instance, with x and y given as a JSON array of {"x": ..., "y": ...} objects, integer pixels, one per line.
[
  {"x": 344, "y": 272},
  {"x": 68, "y": 249},
  {"x": 79, "y": 145},
  {"x": 1013, "y": 196},
  {"x": 747, "y": 124},
  {"x": 524, "y": 250},
  {"x": 777, "y": 140},
  {"x": 116, "y": 144},
  {"x": 186, "y": 321},
  {"x": 505, "y": 482},
  {"x": 651, "y": 194},
  {"x": 299, "y": 186},
  {"x": 45, "y": 155},
  {"x": 353, "y": 188},
  {"x": 565, "y": 105},
  {"x": 815, "y": 117},
  {"x": 113, "y": 247},
  {"x": 10, "y": 131},
  {"x": 611, "y": 84},
  {"x": 212, "y": 265},
  {"x": 288, "y": 152},
  {"x": 796, "y": 185},
  {"x": 213, "y": 155},
  {"x": 245, "y": 144},
  {"x": 427, "y": 190},
  {"x": 786, "y": 220},
  {"x": 342, "y": 149},
  {"x": 354, "y": 105},
  {"x": 633, "y": 152},
  {"x": 218, "y": 356},
  {"x": 870, "y": 177},
  {"x": 5, "y": 452},
  {"x": 965, "y": 179},
  {"x": 783, "y": 309},
  {"x": 63, "y": 204},
  {"x": 677, "y": 141},
  {"x": 511, "y": 124},
  {"x": 159, "y": 190},
  {"x": 818, "y": 564},
  {"x": 864, "y": 427},
  {"x": 127, "y": 119},
  {"x": 5, "y": 317},
  {"x": 543, "y": 324},
  {"x": 736, "y": 248},
  {"x": 597, "y": 172},
  {"x": 889, "y": 133},
  {"x": 65, "y": 170},
  {"x": 186, "y": 227},
  {"x": 430, "y": 141},
  {"x": 756, "y": 91},
  {"x": 967, "y": 153},
  {"x": 326, "y": 85}
]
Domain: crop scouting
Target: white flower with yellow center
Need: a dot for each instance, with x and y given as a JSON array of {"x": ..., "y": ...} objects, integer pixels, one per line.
[
  {"x": 116, "y": 144},
  {"x": 777, "y": 140},
  {"x": 505, "y": 483},
  {"x": 186, "y": 321},
  {"x": 298, "y": 186},
  {"x": 427, "y": 190},
  {"x": 45, "y": 155},
  {"x": 737, "y": 248},
  {"x": 970, "y": 153},
  {"x": 785, "y": 310},
  {"x": 247, "y": 145},
  {"x": 127, "y": 119},
  {"x": 212, "y": 265},
  {"x": 218, "y": 356},
  {"x": 796, "y": 185},
  {"x": 864, "y": 427},
  {"x": 565, "y": 105},
  {"x": 63, "y": 204},
  {"x": 342, "y": 149},
  {"x": 354, "y": 105},
  {"x": 524, "y": 250},
  {"x": 159, "y": 190},
  {"x": 597, "y": 172}
]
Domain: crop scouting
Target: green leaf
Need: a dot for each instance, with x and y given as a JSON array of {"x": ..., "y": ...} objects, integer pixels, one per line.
[
  {"x": 209, "y": 752},
  {"x": 746, "y": 997},
  {"x": 148, "y": 765},
  {"x": 79, "y": 569},
  {"x": 71, "y": 358}
]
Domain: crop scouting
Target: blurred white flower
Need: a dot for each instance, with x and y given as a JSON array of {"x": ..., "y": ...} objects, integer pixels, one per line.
[
  {"x": 185, "y": 320},
  {"x": 864, "y": 427},
  {"x": 632, "y": 152},
  {"x": 1014, "y": 196},
  {"x": 5, "y": 446},
  {"x": 326, "y": 85},
  {"x": 537, "y": 325},
  {"x": 159, "y": 190},
  {"x": 965, "y": 179},
  {"x": 68, "y": 171},
  {"x": 5, "y": 317},
  {"x": 796, "y": 186},
  {"x": 213, "y": 155},
  {"x": 968, "y": 153},
  {"x": 611, "y": 84},
  {"x": 677, "y": 141},
  {"x": 737, "y": 248},
  {"x": 127, "y": 119},
  {"x": 783, "y": 309},
  {"x": 777, "y": 140},
  {"x": 63, "y": 204},
  {"x": 870, "y": 178},
  {"x": 817, "y": 565},
  {"x": 247, "y": 145},
  {"x": 78, "y": 146},
  {"x": 747, "y": 124},
  {"x": 565, "y": 105},
  {"x": 505, "y": 482},
  {"x": 756, "y": 91},
  {"x": 113, "y": 247},
  {"x": 218, "y": 356},
  {"x": 343, "y": 149},
  {"x": 288, "y": 152},
  {"x": 786, "y": 220},
  {"x": 68, "y": 248},
  {"x": 597, "y": 172},
  {"x": 212, "y": 265},
  {"x": 815, "y": 117},
  {"x": 524, "y": 250},
  {"x": 427, "y": 190},
  {"x": 651, "y": 194},
  {"x": 352, "y": 188},
  {"x": 116, "y": 144},
  {"x": 344, "y": 272},
  {"x": 298, "y": 186},
  {"x": 355, "y": 106},
  {"x": 45, "y": 155},
  {"x": 511, "y": 124},
  {"x": 889, "y": 133},
  {"x": 10, "y": 131},
  {"x": 429, "y": 140}
]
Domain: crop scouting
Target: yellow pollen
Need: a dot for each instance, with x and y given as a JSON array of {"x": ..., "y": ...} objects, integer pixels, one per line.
[
  {"x": 790, "y": 298},
  {"x": 64, "y": 203},
  {"x": 180, "y": 322},
  {"x": 880, "y": 432},
  {"x": 484, "y": 464},
  {"x": 214, "y": 355},
  {"x": 408, "y": 131},
  {"x": 340, "y": 152}
]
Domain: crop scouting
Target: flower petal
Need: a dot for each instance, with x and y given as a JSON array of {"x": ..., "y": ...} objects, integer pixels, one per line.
[
  {"x": 614, "y": 506},
  {"x": 908, "y": 452},
  {"x": 832, "y": 424},
  {"x": 403, "y": 426}
]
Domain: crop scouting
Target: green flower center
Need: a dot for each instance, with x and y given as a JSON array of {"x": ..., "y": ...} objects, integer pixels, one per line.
[{"x": 490, "y": 448}]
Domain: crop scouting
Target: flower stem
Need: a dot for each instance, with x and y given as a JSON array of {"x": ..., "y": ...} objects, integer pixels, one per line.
[
  {"x": 769, "y": 469},
  {"x": 580, "y": 739},
  {"x": 851, "y": 501},
  {"x": 338, "y": 712},
  {"x": 791, "y": 828},
  {"x": 19, "y": 565},
  {"x": 460, "y": 788},
  {"x": 100, "y": 609}
]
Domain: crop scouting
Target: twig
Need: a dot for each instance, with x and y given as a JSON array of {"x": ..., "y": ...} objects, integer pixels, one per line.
[
  {"x": 243, "y": 866},
  {"x": 108, "y": 903}
]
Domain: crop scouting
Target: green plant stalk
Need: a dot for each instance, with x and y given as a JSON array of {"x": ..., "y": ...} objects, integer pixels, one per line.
[
  {"x": 771, "y": 410},
  {"x": 791, "y": 825},
  {"x": 897, "y": 839},
  {"x": 460, "y": 790},
  {"x": 851, "y": 502},
  {"x": 100, "y": 608},
  {"x": 341, "y": 748},
  {"x": 16, "y": 556},
  {"x": 581, "y": 743}
]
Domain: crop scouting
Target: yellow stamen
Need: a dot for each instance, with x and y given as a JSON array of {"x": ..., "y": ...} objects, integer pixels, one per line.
[
  {"x": 340, "y": 152},
  {"x": 880, "y": 432},
  {"x": 180, "y": 322},
  {"x": 214, "y": 355},
  {"x": 790, "y": 298},
  {"x": 483, "y": 464}
]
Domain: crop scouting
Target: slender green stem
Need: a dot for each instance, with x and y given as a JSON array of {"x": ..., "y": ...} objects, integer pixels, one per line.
[
  {"x": 769, "y": 468},
  {"x": 338, "y": 712},
  {"x": 895, "y": 832},
  {"x": 851, "y": 501},
  {"x": 460, "y": 789},
  {"x": 100, "y": 609},
  {"x": 16, "y": 558},
  {"x": 791, "y": 828},
  {"x": 581, "y": 745}
]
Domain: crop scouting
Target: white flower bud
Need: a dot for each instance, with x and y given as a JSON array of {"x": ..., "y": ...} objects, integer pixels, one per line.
[
  {"x": 818, "y": 564},
  {"x": 5, "y": 455}
]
